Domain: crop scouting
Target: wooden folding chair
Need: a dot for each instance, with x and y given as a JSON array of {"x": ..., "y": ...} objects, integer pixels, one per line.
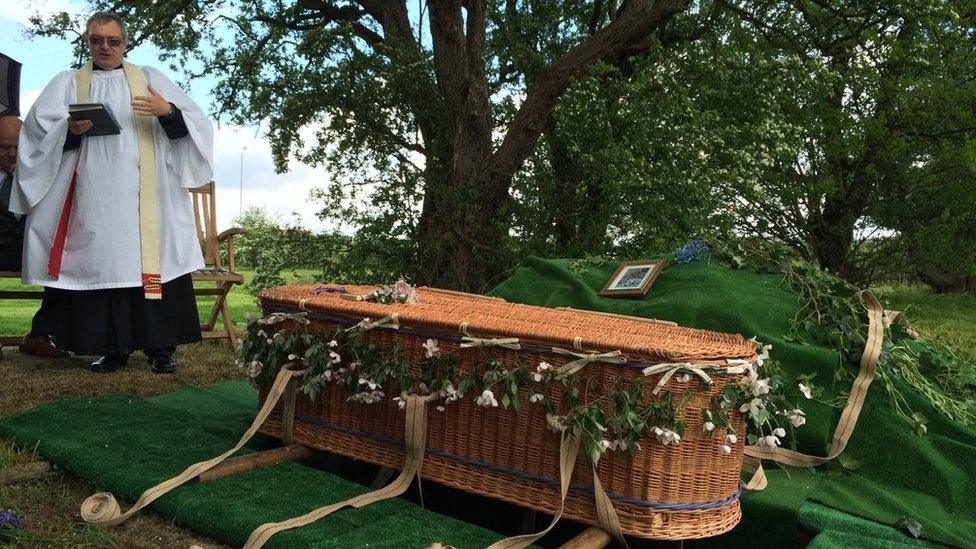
[{"x": 205, "y": 212}]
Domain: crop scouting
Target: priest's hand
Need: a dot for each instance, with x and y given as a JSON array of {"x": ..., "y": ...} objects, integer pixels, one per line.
[
  {"x": 151, "y": 105},
  {"x": 79, "y": 127}
]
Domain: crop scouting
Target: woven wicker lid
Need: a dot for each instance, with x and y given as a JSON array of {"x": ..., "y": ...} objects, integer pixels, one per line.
[{"x": 481, "y": 316}]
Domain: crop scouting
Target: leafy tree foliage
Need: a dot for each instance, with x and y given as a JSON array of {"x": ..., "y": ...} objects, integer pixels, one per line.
[
  {"x": 406, "y": 112},
  {"x": 874, "y": 100},
  {"x": 467, "y": 134}
]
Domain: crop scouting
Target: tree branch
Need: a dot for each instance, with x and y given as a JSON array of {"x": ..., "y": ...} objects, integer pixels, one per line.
[{"x": 631, "y": 26}]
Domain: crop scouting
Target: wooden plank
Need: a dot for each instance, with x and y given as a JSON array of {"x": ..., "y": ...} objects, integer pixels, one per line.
[
  {"x": 257, "y": 460},
  {"x": 383, "y": 476},
  {"x": 591, "y": 538},
  {"x": 208, "y": 277},
  {"x": 24, "y": 471},
  {"x": 207, "y": 291}
]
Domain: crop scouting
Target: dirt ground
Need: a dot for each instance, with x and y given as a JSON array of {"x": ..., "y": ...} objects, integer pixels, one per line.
[{"x": 50, "y": 502}]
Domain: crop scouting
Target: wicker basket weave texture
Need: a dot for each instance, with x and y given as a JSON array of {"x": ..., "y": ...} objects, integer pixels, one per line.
[
  {"x": 512, "y": 456},
  {"x": 444, "y": 311}
]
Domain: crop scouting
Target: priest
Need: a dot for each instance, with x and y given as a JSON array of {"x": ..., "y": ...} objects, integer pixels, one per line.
[{"x": 110, "y": 231}]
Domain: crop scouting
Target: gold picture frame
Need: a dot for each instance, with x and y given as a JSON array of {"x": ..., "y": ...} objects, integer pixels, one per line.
[{"x": 633, "y": 278}]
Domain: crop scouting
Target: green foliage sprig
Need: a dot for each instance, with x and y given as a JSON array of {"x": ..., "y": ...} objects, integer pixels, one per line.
[{"x": 831, "y": 316}]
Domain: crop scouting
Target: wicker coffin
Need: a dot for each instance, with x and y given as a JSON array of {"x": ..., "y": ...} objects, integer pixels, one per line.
[{"x": 682, "y": 491}]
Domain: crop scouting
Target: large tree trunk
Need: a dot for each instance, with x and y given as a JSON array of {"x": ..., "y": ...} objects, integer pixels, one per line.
[
  {"x": 461, "y": 246},
  {"x": 943, "y": 282}
]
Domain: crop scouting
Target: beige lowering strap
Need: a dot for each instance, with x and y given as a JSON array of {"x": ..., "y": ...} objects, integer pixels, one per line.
[
  {"x": 848, "y": 418},
  {"x": 415, "y": 435},
  {"x": 568, "y": 449},
  {"x": 605, "y": 513},
  {"x": 148, "y": 201},
  {"x": 103, "y": 509}
]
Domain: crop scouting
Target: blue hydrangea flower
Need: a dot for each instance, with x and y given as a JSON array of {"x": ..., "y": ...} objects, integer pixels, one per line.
[
  {"x": 11, "y": 521},
  {"x": 694, "y": 250}
]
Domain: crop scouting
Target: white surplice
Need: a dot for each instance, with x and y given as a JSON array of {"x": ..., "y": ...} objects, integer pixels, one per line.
[{"x": 102, "y": 247}]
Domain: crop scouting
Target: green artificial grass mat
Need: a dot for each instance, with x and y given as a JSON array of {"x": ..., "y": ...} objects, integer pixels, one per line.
[
  {"x": 899, "y": 475},
  {"x": 125, "y": 444},
  {"x": 839, "y": 530}
]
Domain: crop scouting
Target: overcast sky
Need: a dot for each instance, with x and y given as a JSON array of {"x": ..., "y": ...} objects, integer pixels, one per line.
[{"x": 279, "y": 194}]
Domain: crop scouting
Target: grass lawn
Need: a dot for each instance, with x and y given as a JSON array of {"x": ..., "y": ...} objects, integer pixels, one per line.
[
  {"x": 50, "y": 502},
  {"x": 949, "y": 317}
]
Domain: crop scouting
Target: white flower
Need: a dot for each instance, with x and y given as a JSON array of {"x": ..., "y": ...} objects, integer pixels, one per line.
[
  {"x": 796, "y": 417},
  {"x": 334, "y": 357},
  {"x": 779, "y": 431},
  {"x": 754, "y": 407},
  {"x": 760, "y": 387},
  {"x": 294, "y": 357},
  {"x": 270, "y": 341},
  {"x": 619, "y": 444},
  {"x": 555, "y": 423},
  {"x": 538, "y": 397},
  {"x": 806, "y": 391},
  {"x": 432, "y": 348},
  {"x": 603, "y": 445},
  {"x": 487, "y": 399},
  {"x": 354, "y": 365},
  {"x": 763, "y": 351},
  {"x": 751, "y": 377},
  {"x": 401, "y": 400},
  {"x": 449, "y": 393},
  {"x": 367, "y": 397},
  {"x": 536, "y": 376},
  {"x": 254, "y": 368},
  {"x": 731, "y": 439},
  {"x": 725, "y": 449},
  {"x": 327, "y": 375},
  {"x": 405, "y": 292},
  {"x": 666, "y": 436},
  {"x": 768, "y": 441},
  {"x": 440, "y": 408},
  {"x": 424, "y": 388},
  {"x": 684, "y": 378},
  {"x": 708, "y": 426},
  {"x": 369, "y": 383},
  {"x": 543, "y": 366}
]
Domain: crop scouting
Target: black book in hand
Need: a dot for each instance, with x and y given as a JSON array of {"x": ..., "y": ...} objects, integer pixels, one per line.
[{"x": 103, "y": 122}]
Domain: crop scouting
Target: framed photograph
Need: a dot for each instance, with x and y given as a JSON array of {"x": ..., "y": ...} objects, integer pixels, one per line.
[{"x": 633, "y": 278}]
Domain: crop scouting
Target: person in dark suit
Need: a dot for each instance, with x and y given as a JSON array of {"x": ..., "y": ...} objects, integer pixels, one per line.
[
  {"x": 11, "y": 225},
  {"x": 35, "y": 343}
]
